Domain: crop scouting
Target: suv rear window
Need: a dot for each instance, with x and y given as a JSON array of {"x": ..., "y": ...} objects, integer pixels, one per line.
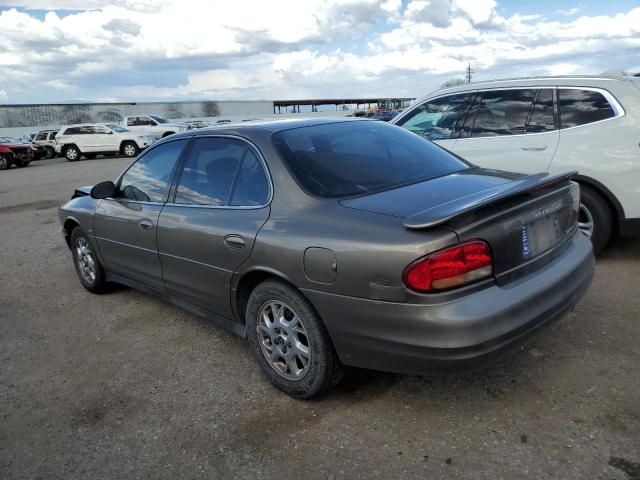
[
  {"x": 360, "y": 157},
  {"x": 579, "y": 107}
]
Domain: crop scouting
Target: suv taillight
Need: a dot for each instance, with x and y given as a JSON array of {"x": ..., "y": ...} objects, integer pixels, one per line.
[{"x": 451, "y": 267}]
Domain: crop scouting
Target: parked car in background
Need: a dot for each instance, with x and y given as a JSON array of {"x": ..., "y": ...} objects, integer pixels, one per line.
[
  {"x": 15, "y": 153},
  {"x": 153, "y": 125},
  {"x": 557, "y": 124},
  {"x": 46, "y": 140},
  {"x": 384, "y": 115},
  {"x": 91, "y": 140},
  {"x": 330, "y": 242},
  {"x": 37, "y": 152},
  {"x": 195, "y": 124}
]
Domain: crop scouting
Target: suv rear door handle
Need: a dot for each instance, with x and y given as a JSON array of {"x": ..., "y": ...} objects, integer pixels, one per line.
[
  {"x": 539, "y": 146},
  {"x": 146, "y": 224}
]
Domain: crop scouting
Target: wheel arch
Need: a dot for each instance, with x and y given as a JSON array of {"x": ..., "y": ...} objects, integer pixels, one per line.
[
  {"x": 67, "y": 227},
  {"x": 248, "y": 281},
  {"x": 612, "y": 202}
]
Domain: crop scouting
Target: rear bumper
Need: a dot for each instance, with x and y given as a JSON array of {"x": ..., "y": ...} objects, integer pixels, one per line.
[{"x": 460, "y": 335}]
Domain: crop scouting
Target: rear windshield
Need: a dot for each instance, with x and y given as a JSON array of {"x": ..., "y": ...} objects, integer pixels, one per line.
[{"x": 360, "y": 157}]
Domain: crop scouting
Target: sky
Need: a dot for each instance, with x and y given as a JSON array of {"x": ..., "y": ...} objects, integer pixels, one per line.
[{"x": 170, "y": 50}]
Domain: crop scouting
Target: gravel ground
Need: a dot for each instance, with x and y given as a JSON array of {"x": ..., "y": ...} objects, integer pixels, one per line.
[{"x": 125, "y": 386}]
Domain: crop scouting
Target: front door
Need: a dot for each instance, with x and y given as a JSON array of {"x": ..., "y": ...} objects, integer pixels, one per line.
[
  {"x": 512, "y": 129},
  {"x": 208, "y": 230},
  {"x": 125, "y": 226}
]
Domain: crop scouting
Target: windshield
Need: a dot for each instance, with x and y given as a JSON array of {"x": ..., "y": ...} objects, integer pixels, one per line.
[
  {"x": 361, "y": 157},
  {"x": 159, "y": 119},
  {"x": 116, "y": 128}
]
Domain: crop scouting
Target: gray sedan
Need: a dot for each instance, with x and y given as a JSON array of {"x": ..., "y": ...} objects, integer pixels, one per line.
[{"x": 328, "y": 243}]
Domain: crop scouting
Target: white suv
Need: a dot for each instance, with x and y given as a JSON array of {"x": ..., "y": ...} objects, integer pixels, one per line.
[
  {"x": 555, "y": 124},
  {"x": 90, "y": 140}
]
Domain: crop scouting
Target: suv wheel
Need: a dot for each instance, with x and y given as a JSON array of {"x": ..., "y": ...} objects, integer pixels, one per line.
[
  {"x": 72, "y": 153},
  {"x": 4, "y": 162},
  {"x": 594, "y": 218},
  {"x": 129, "y": 149},
  {"x": 49, "y": 152},
  {"x": 88, "y": 268},
  {"x": 289, "y": 341}
]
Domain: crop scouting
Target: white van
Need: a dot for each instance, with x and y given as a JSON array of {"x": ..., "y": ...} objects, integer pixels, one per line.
[{"x": 555, "y": 124}]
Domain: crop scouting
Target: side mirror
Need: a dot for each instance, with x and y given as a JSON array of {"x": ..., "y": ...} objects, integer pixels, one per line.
[{"x": 103, "y": 190}]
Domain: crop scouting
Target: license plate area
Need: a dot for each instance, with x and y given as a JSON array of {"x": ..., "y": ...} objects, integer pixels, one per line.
[{"x": 544, "y": 229}]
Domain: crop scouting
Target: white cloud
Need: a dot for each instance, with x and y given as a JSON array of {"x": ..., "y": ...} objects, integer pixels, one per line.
[
  {"x": 569, "y": 11},
  {"x": 144, "y": 49}
]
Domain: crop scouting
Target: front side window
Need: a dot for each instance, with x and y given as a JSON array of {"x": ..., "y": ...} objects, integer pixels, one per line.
[
  {"x": 72, "y": 131},
  {"x": 360, "y": 157},
  {"x": 144, "y": 121},
  {"x": 100, "y": 130},
  {"x": 437, "y": 119},
  {"x": 132, "y": 121},
  {"x": 579, "y": 107},
  {"x": 149, "y": 178},
  {"x": 209, "y": 171},
  {"x": 159, "y": 119},
  {"x": 502, "y": 112}
]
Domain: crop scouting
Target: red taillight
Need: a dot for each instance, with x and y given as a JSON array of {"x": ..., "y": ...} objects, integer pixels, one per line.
[{"x": 451, "y": 267}]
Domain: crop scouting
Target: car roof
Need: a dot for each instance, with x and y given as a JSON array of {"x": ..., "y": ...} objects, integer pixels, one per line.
[
  {"x": 568, "y": 80},
  {"x": 273, "y": 126}
]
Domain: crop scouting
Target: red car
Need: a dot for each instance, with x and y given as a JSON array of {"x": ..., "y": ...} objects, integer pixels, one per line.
[{"x": 13, "y": 153}]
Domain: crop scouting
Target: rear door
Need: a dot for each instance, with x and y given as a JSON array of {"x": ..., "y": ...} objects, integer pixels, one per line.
[
  {"x": 126, "y": 225},
  {"x": 511, "y": 129},
  {"x": 208, "y": 230},
  {"x": 438, "y": 119}
]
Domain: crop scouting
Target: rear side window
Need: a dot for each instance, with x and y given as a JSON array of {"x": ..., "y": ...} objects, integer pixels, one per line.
[
  {"x": 209, "y": 172},
  {"x": 251, "y": 187},
  {"x": 41, "y": 136},
  {"x": 437, "y": 119},
  {"x": 542, "y": 117},
  {"x": 148, "y": 179},
  {"x": 502, "y": 112},
  {"x": 360, "y": 157},
  {"x": 579, "y": 107}
]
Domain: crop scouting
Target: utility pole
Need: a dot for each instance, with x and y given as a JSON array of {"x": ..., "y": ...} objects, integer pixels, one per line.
[{"x": 469, "y": 72}]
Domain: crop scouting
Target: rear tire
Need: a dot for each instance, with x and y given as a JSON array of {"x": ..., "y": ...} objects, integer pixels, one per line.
[
  {"x": 292, "y": 326},
  {"x": 595, "y": 218},
  {"x": 5, "y": 163},
  {"x": 49, "y": 152},
  {"x": 88, "y": 268},
  {"x": 72, "y": 153}
]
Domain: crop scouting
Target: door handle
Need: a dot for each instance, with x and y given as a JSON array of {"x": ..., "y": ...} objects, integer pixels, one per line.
[
  {"x": 234, "y": 242},
  {"x": 539, "y": 146},
  {"x": 146, "y": 224}
]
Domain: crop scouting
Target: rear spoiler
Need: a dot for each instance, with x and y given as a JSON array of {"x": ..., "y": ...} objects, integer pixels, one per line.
[{"x": 435, "y": 216}]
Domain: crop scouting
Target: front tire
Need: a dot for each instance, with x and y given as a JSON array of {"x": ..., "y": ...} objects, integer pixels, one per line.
[
  {"x": 72, "y": 153},
  {"x": 289, "y": 341},
  {"x": 595, "y": 218},
  {"x": 130, "y": 149},
  {"x": 88, "y": 268}
]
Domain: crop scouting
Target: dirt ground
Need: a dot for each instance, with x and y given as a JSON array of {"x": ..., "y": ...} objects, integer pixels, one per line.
[{"x": 125, "y": 386}]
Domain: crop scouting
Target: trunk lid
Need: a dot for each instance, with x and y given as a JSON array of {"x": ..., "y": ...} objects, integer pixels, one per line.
[{"x": 525, "y": 219}]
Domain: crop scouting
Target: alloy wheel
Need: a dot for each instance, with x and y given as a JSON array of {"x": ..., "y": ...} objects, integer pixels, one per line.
[
  {"x": 86, "y": 261},
  {"x": 585, "y": 220},
  {"x": 283, "y": 340},
  {"x": 72, "y": 153},
  {"x": 129, "y": 150}
]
